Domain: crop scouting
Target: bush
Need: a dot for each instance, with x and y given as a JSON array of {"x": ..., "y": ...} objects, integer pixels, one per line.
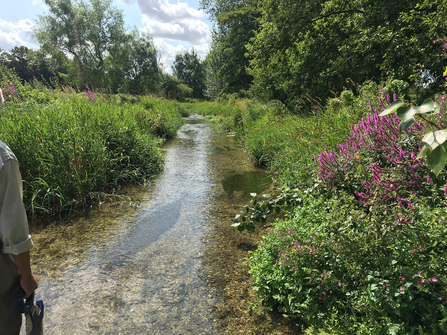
[
  {"x": 174, "y": 88},
  {"x": 336, "y": 267},
  {"x": 364, "y": 252}
]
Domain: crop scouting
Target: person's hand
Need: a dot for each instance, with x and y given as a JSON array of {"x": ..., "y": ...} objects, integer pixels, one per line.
[
  {"x": 27, "y": 280},
  {"x": 29, "y": 284}
]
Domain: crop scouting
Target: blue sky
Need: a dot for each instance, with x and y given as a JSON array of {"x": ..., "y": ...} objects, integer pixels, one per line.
[{"x": 176, "y": 25}]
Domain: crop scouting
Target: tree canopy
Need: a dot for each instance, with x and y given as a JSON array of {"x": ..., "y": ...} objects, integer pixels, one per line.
[
  {"x": 88, "y": 31},
  {"x": 190, "y": 70},
  {"x": 289, "y": 49}
]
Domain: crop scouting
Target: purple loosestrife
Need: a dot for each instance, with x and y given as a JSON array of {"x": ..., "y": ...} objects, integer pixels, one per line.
[
  {"x": 91, "y": 95},
  {"x": 391, "y": 171},
  {"x": 10, "y": 91}
]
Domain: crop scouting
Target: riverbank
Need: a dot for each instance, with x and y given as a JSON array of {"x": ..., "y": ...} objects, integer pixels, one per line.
[
  {"x": 361, "y": 249},
  {"x": 76, "y": 150}
]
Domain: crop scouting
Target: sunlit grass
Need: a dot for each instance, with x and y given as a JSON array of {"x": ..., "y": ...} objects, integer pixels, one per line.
[{"x": 71, "y": 149}]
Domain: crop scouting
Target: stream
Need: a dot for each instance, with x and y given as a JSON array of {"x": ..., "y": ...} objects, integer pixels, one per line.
[{"x": 123, "y": 269}]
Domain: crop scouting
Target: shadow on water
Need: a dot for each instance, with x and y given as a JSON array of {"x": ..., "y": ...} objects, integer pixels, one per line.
[
  {"x": 119, "y": 270},
  {"x": 247, "y": 182}
]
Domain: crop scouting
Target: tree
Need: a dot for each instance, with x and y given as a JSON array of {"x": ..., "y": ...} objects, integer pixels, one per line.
[
  {"x": 86, "y": 30},
  {"x": 213, "y": 63},
  {"x": 190, "y": 70},
  {"x": 174, "y": 88},
  {"x": 312, "y": 47},
  {"x": 29, "y": 64},
  {"x": 236, "y": 25},
  {"x": 134, "y": 67}
]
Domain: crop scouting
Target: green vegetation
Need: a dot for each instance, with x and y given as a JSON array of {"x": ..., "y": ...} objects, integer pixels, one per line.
[
  {"x": 309, "y": 88},
  {"x": 74, "y": 147},
  {"x": 188, "y": 68},
  {"x": 361, "y": 250},
  {"x": 296, "y": 49}
]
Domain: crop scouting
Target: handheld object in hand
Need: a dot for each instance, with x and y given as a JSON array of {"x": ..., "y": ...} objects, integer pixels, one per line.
[{"x": 33, "y": 312}]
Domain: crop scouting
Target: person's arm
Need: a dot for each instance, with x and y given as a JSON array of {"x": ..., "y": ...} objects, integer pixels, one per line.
[
  {"x": 27, "y": 280},
  {"x": 14, "y": 233}
]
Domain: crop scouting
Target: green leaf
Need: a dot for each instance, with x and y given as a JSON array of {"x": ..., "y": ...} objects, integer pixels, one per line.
[
  {"x": 427, "y": 106},
  {"x": 437, "y": 159},
  {"x": 392, "y": 108},
  {"x": 405, "y": 113},
  {"x": 434, "y": 138},
  {"x": 266, "y": 195},
  {"x": 424, "y": 152},
  {"x": 405, "y": 124},
  {"x": 253, "y": 194}
]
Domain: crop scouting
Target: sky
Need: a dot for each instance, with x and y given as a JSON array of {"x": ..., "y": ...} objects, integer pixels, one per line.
[{"x": 175, "y": 25}]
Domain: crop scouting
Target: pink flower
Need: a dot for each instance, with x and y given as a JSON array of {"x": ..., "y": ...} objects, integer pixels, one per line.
[
  {"x": 339, "y": 284},
  {"x": 401, "y": 289},
  {"x": 434, "y": 280},
  {"x": 310, "y": 280},
  {"x": 422, "y": 281}
]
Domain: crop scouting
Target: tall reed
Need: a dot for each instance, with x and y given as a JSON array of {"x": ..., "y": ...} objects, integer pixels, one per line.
[{"x": 72, "y": 149}]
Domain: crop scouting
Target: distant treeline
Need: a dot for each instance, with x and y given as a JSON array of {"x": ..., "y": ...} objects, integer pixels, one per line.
[{"x": 86, "y": 43}]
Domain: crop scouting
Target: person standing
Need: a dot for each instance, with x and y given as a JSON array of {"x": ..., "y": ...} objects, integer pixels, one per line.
[{"x": 15, "y": 243}]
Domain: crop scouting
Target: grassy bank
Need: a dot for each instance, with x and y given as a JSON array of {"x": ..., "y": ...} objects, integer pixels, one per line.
[
  {"x": 362, "y": 248},
  {"x": 75, "y": 147}
]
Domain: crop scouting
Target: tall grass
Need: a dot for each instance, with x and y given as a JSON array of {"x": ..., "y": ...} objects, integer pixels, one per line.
[
  {"x": 276, "y": 138},
  {"x": 72, "y": 149}
]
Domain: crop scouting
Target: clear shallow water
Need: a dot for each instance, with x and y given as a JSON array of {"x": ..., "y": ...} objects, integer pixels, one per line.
[{"x": 125, "y": 270}]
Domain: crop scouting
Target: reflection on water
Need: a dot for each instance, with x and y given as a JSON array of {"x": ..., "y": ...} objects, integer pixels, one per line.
[
  {"x": 247, "y": 182},
  {"x": 125, "y": 270}
]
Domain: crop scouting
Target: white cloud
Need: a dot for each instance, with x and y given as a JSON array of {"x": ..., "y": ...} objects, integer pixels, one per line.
[
  {"x": 163, "y": 11},
  {"x": 15, "y": 33},
  {"x": 167, "y": 52},
  {"x": 23, "y": 26},
  {"x": 189, "y": 31},
  {"x": 10, "y": 40}
]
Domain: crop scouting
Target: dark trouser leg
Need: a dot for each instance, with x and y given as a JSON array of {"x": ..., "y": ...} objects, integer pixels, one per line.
[{"x": 10, "y": 319}]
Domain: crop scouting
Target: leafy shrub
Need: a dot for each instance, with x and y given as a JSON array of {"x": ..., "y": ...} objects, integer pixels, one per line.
[
  {"x": 336, "y": 267},
  {"x": 174, "y": 88},
  {"x": 347, "y": 97},
  {"x": 364, "y": 252},
  {"x": 398, "y": 87}
]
